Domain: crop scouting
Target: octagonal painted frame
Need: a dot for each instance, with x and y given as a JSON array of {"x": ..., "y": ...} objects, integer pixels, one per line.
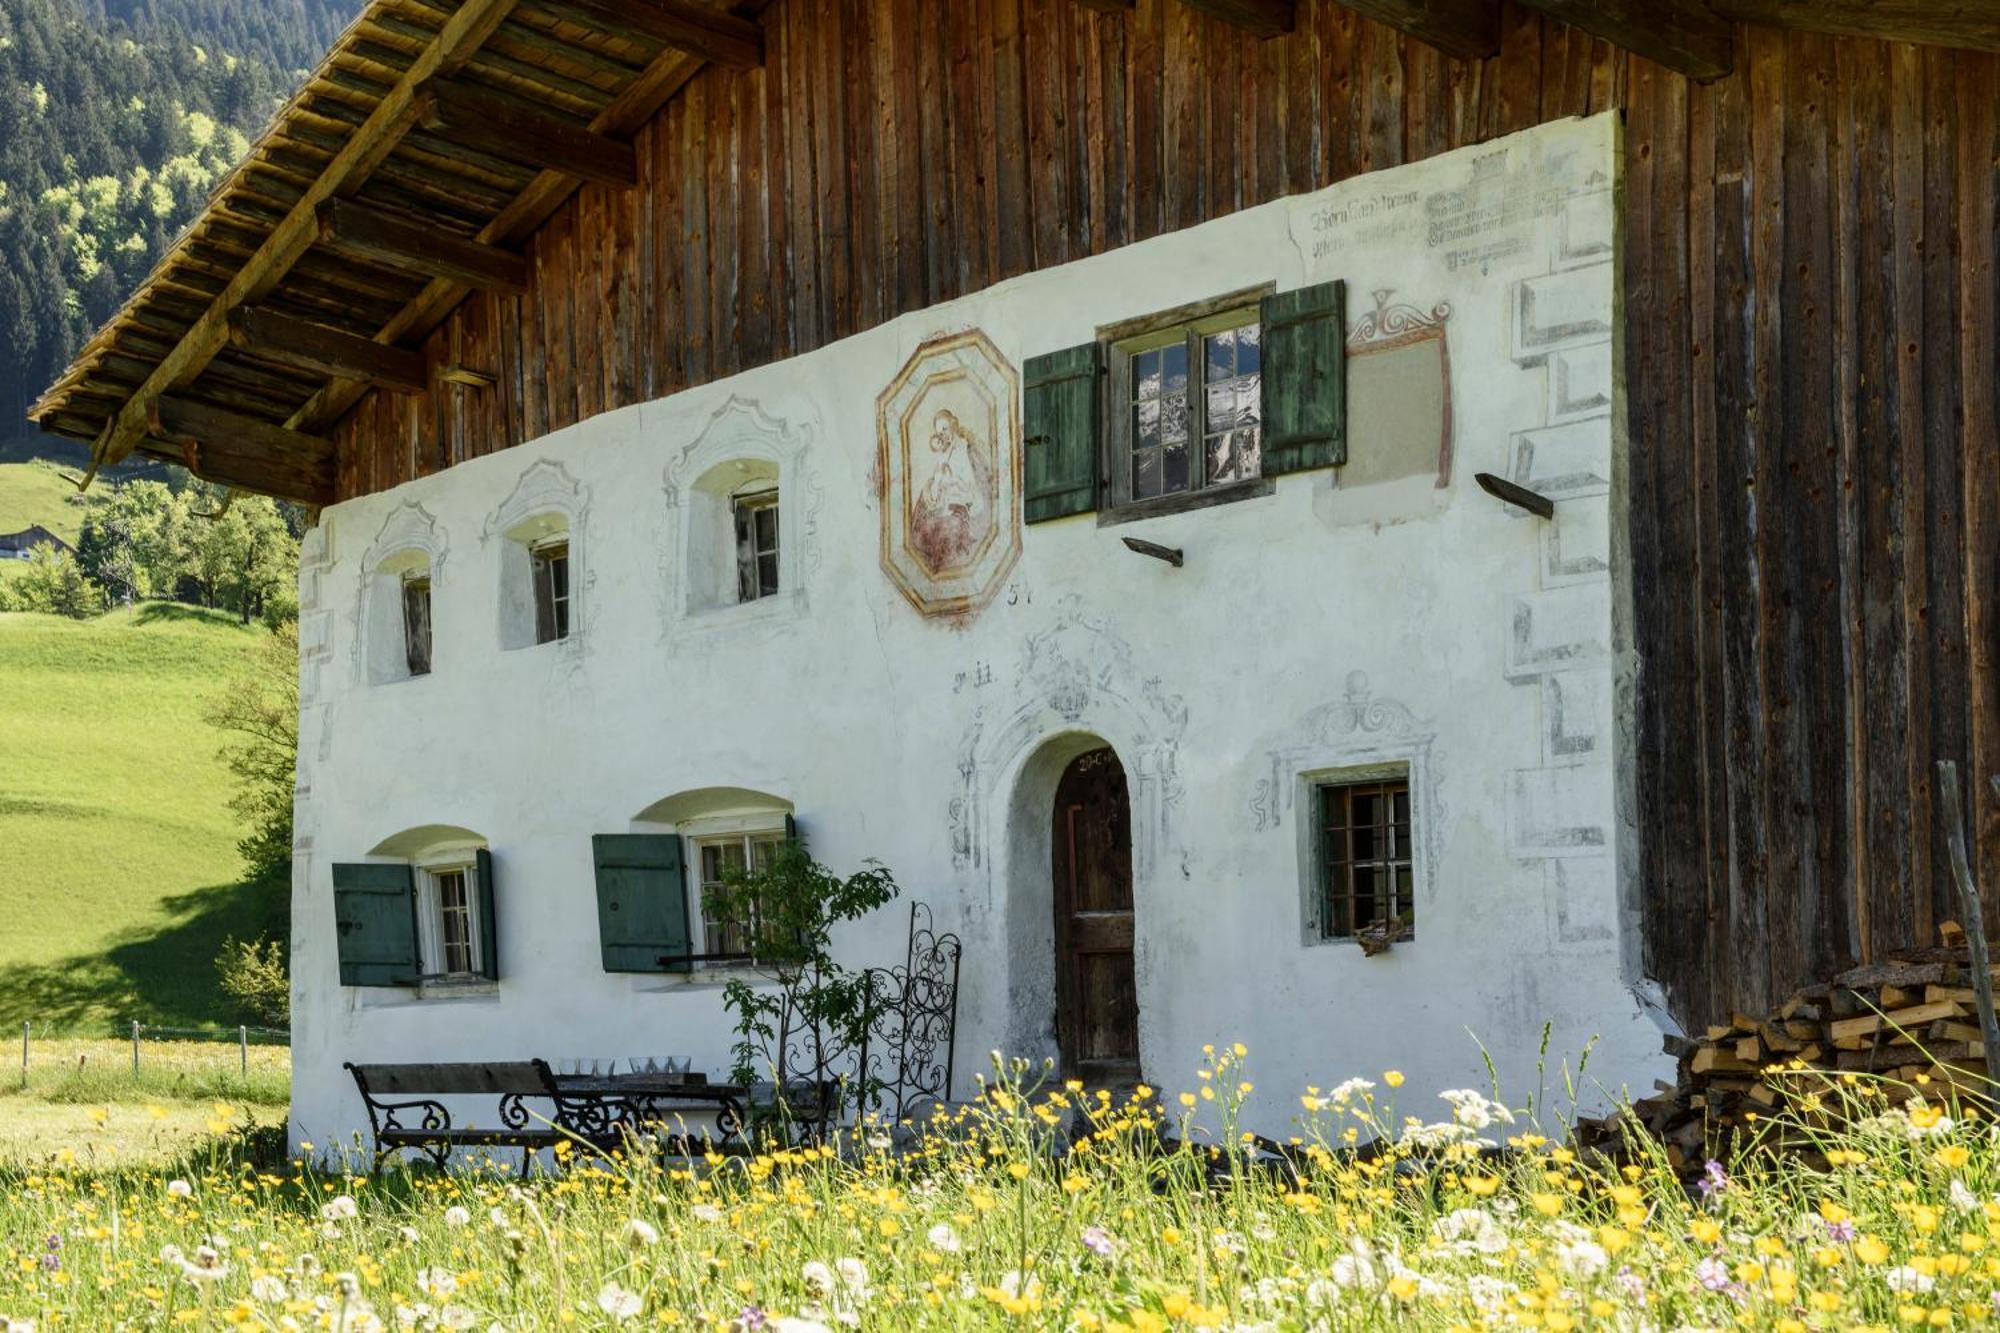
[{"x": 948, "y": 469}]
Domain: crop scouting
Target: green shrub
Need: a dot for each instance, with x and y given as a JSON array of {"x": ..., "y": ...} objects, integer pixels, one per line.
[{"x": 254, "y": 975}]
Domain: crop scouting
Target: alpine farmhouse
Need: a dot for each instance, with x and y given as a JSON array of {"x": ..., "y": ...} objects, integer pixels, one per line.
[{"x": 1360, "y": 528}]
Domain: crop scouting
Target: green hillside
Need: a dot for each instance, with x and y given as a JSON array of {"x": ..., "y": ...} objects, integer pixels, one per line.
[
  {"x": 37, "y": 493},
  {"x": 119, "y": 875}
]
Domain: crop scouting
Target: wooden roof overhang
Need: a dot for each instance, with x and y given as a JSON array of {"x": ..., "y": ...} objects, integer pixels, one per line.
[
  {"x": 438, "y": 135},
  {"x": 433, "y": 140}
]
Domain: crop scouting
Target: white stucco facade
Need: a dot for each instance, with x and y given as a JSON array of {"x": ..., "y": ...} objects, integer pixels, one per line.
[{"x": 1322, "y": 627}]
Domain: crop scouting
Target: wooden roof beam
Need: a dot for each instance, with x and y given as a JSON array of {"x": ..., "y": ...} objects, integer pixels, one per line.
[
  {"x": 708, "y": 34},
  {"x": 1969, "y": 24},
  {"x": 1466, "y": 28},
  {"x": 1684, "y": 35},
  {"x": 220, "y": 445},
  {"x": 304, "y": 345},
  {"x": 1264, "y": 18},
  {"x": 460, "y": 38},
  {"x": 406, "y": 244},
  {"x": 512, "y": 129}
]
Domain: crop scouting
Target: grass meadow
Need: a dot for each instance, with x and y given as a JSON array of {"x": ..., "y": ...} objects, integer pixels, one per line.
[
  {"x": 119, "y": 876},
  {"x": 1046, "y": 1208}
]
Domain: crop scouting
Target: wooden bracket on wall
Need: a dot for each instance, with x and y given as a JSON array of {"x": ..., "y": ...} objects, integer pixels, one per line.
[
  {"x": 1173, "y": 555},
  {"x": 1520, "y": 497},
  {"x": 510, "y": 128}
]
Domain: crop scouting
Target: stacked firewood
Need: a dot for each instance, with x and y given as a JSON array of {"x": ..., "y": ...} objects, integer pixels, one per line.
[{"x": 1910, "y": 1021}]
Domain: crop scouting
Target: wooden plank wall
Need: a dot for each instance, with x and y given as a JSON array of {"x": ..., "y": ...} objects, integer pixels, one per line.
[{"x": 1810, "y": 313}]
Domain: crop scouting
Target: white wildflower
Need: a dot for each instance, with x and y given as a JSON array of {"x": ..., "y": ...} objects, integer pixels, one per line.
[
  {"x": 268, "y": 1290},
  {"x": 1907, "y": 1278},
  {"x": 437, "y": 1283},
  {"x": 1348, "y": 1091},
  {"x": 456, "y": 1216},
  {"x": 944, "y": 1238},
  {"x": 1962, "y": 1198},
  {"x": 205, "y": 1266},
  {"x": 640, "y": 1234},
  {"x": 1474, "y": 1111},
  {"x": 339, "y": 1208},
  {"x": 1581, "y": 1258},
  {"x": 617, "y": 1302},
  {"x": 818, "y": 1278},
  {"x": 179, "y": 1189},
  {"x": 706, "y": 1212}
]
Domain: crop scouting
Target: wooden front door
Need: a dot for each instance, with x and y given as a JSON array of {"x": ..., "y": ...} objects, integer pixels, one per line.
[{"x": 1097, "y": 998}]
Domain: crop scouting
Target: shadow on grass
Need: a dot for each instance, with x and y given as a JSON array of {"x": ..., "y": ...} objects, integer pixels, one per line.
[
  {"x": 180, "y": 613},
  {"x": 166, "y": 977}
]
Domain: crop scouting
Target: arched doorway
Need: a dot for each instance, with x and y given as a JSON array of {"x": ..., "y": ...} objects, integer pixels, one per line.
[{"x": 1097, "y": 994}]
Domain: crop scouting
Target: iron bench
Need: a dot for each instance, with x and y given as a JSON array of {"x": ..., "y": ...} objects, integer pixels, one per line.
[{"x": 405, "y": 1114}]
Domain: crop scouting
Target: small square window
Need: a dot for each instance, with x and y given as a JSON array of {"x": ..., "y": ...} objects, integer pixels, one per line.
[
  {"x": 1366, "y": 876},
  {"x": 756, "y": 517},
  {"x": 549, "y": 563},
  {"x": 1188, "y": 413},
  {"x": 417, "y": 623}
]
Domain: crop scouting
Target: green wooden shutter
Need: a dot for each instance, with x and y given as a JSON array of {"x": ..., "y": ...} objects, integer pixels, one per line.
[
  {"x": 791, "y": 827},
  {"x": 642, "y": 899},
  {"x": 489, "y": 919},
  {"x": 1059, "y": 433},
  {"x": 1305, "y": 379},
  {"x": 375, "y": 924}
]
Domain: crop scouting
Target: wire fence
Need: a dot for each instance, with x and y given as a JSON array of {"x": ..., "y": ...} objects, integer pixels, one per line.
[{"x": 154, "y": 1049}]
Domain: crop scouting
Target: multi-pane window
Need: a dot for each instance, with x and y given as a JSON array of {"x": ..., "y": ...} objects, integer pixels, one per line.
[
  {"x": 417, "y": 623},
  {"x": 756, "y": 518},
  {"x": 549, "y": 565},
  {"x": 1192, "y": 407},
  {"x": 448, "y": 905},
  {"x": 735, "y": 935},
  {"x": 1365, "y": 863}
]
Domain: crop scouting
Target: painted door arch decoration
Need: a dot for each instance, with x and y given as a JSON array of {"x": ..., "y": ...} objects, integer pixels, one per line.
[
  {"x": 1076, "y": 675},
  {"x": 948, "y": 466}
]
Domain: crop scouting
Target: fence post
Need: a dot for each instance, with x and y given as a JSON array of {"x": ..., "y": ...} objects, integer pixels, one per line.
[
  {"x": 243, "y": 1045},
  {"x": 135, "y": 1046},
  {"x": 24, "y": 1052}
]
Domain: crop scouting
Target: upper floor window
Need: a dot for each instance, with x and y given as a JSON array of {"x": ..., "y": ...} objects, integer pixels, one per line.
[
  {"x": 1186, "y": 408},
  {"x": 417, "y": 622},
  {"x": 755, "y": 514},
  {"x": 1193, "y": 413},
  {"x": 548, "y": 563}
]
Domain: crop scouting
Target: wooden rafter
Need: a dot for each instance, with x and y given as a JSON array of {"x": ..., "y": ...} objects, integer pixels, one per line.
[
  {"x": 1970, "y": 24},
  {"x": 706, "y": 34},
  {"x": 1265, "y": 18},
  {"x": 224, "y": 446},
  {"x": 1467, "y": 28},
  {"x": 510, "y": 128},
  {"x": 406, "y": 244},
  {"x": 298, "y": 231},
  {"x": 1683, "y": 35},
  {"x": 303, "y": 345}
]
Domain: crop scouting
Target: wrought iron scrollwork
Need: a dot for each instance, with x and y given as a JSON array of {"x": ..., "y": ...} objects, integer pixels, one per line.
[{"x": 907, "y": 1061}]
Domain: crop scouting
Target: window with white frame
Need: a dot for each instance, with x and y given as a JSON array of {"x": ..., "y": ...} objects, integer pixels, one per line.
[
  {"x": 548, "y": 563},
  {"x": 450, "y": 929},
  {"x": 726, "y": 938},
  {"x": 755, "y": 514}
]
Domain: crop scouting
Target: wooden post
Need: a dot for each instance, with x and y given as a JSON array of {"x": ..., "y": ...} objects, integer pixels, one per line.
[
  {"x": 243, "y": 1046},
  {"x": 24, "y": 1053},
  {"x": 1975, "y": 917},
  {"x": 135, "y": 1046}
]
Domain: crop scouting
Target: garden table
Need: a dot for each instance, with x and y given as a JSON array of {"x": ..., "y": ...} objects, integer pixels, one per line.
[{"x": 604, "y": 1108}]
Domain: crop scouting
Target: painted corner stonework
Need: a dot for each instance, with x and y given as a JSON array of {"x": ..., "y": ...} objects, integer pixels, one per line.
[{"x": 949, "y": 472}]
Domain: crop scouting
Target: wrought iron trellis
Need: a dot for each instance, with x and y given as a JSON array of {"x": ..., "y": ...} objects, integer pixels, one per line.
[{"x": 896, "y": 1058}]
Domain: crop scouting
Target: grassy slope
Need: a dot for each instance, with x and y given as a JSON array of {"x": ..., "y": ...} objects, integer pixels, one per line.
[
  {"x": 36, "y": 493},
  {"x": 118, "y": 866}
]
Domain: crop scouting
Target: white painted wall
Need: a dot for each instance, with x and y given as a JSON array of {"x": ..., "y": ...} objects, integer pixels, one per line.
[{"x": 1309, "y": 629}]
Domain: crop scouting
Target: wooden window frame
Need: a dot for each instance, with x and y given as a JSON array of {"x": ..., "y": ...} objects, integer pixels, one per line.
[
  {"x": 749, "y": 577},
  {"x": 433, "y": 914},
  {"x": 411, "y": 584},
  {"x": 1326, "y": 924},
  {"x": 552, "y": 608},
  {"x": 1129, "y": 338}
]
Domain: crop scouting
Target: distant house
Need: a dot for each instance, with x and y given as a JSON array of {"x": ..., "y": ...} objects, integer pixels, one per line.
[{"x": 21, "y": 545}]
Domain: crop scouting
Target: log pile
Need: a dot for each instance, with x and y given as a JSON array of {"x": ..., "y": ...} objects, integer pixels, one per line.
[{"x": 1913, "y": 1016}]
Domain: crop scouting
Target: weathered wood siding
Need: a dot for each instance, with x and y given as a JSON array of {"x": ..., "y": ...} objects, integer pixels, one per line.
[{"x": 1810, "y": 312}]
